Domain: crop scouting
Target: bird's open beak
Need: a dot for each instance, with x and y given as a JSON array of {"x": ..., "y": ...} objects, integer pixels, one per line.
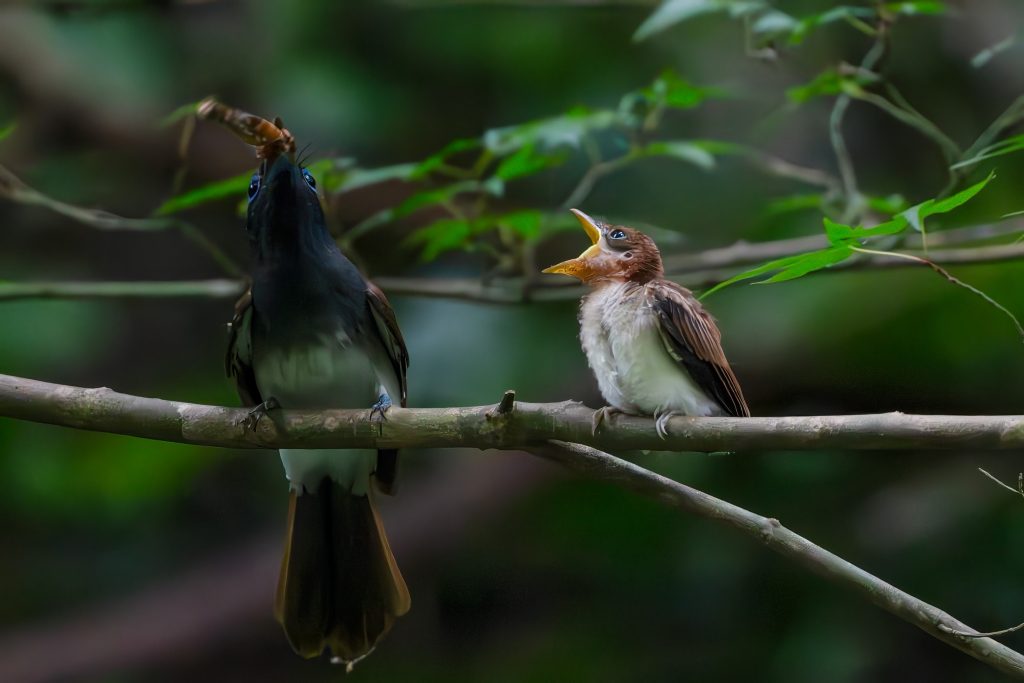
[{"x": 578, "y": 267}]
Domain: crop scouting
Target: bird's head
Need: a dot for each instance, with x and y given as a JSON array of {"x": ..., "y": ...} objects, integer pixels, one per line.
[
  {"x": 616, "y": 254},
  {"x": 284, "y": 208}
]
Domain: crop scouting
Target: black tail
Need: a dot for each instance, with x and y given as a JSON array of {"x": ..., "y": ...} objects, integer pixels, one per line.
[{"x": 339, "y": 585}]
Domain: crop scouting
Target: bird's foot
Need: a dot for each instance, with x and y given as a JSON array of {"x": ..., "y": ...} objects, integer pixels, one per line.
[
  {"x": 379, "y": 412},
  {"x": 661, "y": 422},
  {"x": 252, "y": 420},
  {"x": 602, "y": 415}
]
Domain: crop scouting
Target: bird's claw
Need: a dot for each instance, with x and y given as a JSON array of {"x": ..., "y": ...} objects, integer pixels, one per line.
[
  {"x": 661, "y": 423},
  {"x": 602, "y": 415},
  {"x": 379, "y": 410},
  {"x": 252, "y": 420}
]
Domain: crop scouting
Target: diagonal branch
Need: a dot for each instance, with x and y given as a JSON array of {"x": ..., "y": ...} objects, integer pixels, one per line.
[{"x": 930, "y": 619}]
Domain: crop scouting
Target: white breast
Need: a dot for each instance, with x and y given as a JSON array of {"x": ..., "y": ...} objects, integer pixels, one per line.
[
  {"x": 619, "y": 334},
  {"x": 330, "y": 374}
]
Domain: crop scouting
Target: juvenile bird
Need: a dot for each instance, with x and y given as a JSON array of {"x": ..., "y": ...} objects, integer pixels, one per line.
[
  {"x": 652, "y": 346},
  {"x": 313, "y": 333}
]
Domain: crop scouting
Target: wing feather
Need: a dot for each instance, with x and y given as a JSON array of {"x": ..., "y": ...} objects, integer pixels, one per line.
[
  {"x": 238, "y": 361},
  {"x": 386, "y": 325},
  {"x": 692, "y": 339}
]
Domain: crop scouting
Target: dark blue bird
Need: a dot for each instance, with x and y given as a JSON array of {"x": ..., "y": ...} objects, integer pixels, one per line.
[{"x": 313, "y": 333}]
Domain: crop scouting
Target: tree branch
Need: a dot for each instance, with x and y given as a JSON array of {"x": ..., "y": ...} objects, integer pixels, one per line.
[
  {"x": 483, "y": 427},
  {"x": 15, "y": 190},
  {"x": 217, "y": 289},
  {"x": 930, "y": 619},
  {"x": 697, "y": 271},
  {"x": 531, "y": 427}
]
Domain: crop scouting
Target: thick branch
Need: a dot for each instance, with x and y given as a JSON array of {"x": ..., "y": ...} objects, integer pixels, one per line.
[
  {"x": 484, "y": 427},
  {"x": 930, "y": 619},
  {"x": 532, "y": 426}
]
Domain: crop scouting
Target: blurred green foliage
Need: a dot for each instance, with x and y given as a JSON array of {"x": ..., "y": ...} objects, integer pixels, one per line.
[{"x": 416, "y": 113}]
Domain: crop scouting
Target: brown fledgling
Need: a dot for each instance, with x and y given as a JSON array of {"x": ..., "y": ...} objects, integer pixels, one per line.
[{"x": 653, "y": 347}]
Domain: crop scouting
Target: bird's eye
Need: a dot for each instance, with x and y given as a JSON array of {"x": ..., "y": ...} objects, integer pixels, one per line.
[
  {"x": 310, "y": 180},
  {"x": 617, "y": 235},
  {"x": 254, "y": 186}
]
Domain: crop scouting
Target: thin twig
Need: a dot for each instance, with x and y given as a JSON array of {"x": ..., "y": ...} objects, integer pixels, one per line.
[
  {"x": 1019, "y": 490},
  {"x": 1002, "y": 632},
  {"x": 786, "y": 169},
  {"x": 976, "y": 634},
  {"x": 15, "y": 190},
  {"x": 847, "y": 173},
  {"x": 696, "y": 271},
  {"x": 1012, "y": 116},
  {"x": 951, "y": 278},
  {"x": 587, "y": 181}
]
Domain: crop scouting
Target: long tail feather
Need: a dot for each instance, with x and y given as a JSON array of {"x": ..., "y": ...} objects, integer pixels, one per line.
[{"x": 339, "y": 585}]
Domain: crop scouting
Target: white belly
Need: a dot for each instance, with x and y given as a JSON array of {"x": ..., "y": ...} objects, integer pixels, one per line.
[
  {"x": 332, "y": 374},
  {"x": 619, "y": 333}
]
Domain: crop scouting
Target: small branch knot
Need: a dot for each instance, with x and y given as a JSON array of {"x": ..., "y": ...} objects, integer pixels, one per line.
[{"x": 504, "y": 407}]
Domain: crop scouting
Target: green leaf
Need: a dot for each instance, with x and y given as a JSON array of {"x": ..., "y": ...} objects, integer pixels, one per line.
[
  {"x": 762, "y": 269},
  {"x": 988, "y": 54},
  {"x": 810, "y": 262},
  {"x": 773, "y": 24},
  {"x": 672, "y": 12},
  {"x": 449, "y": 234},
  {"x": 669, "y": 89},
  {"x": 807, "y": 24},
  {"x": 566, "y": 130},
  {"x": 526, "y": 161},
  {"x": 234, "y": 187},
  {"x": 915, "y": 215},
  {"x": 436, "y": 160},
  {"x": 686, "y": 151},
  {"x": 444, "y": 194},
  {"x": 526, "y": 223},
  {"x": 793, "y": 203},
  {"x": 440, "y": 236},
  {"x": 912, "y": 8},
  {"x": 1007, "y": 146},
  {"x": 892, "y": 204},
  {"x": 830, "y": 82},
  {"x": 182, "y": 112},
  {"x": 839, "y": 234},
  {"x": 355, "y": 178},
  {"x": 5, "y": 131}
]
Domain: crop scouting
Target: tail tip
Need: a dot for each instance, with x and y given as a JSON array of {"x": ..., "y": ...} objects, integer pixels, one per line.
[{"x": 350, "y": 664}]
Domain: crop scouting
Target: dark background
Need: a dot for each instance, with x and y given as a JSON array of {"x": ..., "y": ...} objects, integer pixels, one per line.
[{"x": 131, "y": 560}]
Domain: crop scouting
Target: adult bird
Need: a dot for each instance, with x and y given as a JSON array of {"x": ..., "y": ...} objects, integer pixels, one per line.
[
  {"x": 313, "y": 333},
  {"x": 652, "y": 346}
]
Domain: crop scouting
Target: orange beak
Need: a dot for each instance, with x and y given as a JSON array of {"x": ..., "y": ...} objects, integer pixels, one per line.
[{"x": 578, "y": 267}]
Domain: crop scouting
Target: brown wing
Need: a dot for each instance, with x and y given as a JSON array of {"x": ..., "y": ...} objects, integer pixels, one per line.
[
  {"x": 386, "y": 473},
  {"x": 238, "y": 361},
  {"x": 693, "y": 339},
  {"x": 387, "y": 327}
]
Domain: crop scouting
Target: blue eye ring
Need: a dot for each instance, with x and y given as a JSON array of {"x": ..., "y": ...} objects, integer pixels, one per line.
[
  {"x": 617, "y": 235},
  {"x": 254, "y": 186},
  {"x": 310, "y": 180}
]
